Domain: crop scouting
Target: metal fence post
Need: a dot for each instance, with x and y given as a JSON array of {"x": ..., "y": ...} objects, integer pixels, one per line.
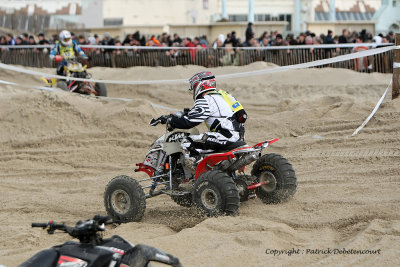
[{"x": 396, "y": 69}]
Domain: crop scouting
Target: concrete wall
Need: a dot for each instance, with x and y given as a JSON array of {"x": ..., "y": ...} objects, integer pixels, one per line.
[{"x": 157, "y": 12}]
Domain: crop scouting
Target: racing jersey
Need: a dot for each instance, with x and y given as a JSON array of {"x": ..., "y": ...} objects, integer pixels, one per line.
[
  {"x": 66, "y": 51},
  {"x": 215, "y": 111}
]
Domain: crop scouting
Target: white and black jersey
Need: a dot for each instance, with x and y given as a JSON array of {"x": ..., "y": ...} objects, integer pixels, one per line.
[{"x": 217, "y": 114}]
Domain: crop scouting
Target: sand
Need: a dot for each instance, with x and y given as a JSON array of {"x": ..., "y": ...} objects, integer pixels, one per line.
[{"x": 59, "y": 150}]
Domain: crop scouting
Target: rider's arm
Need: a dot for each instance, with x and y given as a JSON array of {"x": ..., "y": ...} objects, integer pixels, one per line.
[
  {"x": 54, "y": 50},
  {"x": 79, "y": 50},
  {"x": 199, "y": 113}
]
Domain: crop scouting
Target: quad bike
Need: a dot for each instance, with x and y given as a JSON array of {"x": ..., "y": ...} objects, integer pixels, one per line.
[
  {"x": 215, "y": 183},
  {"x": 75, "y": 69},
  {"x": 93, "y": 250}
]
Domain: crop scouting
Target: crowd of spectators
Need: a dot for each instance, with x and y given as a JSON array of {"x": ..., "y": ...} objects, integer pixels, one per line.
[
  {"x": 272, "y": 38},
  {"x": 230, "y": 41}
]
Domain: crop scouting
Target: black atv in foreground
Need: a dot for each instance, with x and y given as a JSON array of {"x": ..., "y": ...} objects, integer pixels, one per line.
[{"x": 94, "y": 251}]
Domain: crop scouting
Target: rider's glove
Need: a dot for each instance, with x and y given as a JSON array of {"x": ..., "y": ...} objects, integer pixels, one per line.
[
  {"x": 52, "y": 57},
  {"x": 170, "y": 128},
  {"x": 82, "y": 54},
  {"x": 163, "y": 119}
]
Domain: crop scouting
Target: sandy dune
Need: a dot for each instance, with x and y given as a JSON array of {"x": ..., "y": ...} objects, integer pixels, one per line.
[{"x": 59, "y": 150}]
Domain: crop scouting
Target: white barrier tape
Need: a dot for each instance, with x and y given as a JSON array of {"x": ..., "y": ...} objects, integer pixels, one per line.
[
  {"x": 365, "y": 53},
  {"x": 373, "y": 112},
  {"x": 396, "y": 65},
  {"x": 224, "y": 76},
  {"x": 321, "y": 46}
]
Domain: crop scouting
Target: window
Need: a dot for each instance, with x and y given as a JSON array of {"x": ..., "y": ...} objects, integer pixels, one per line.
[
  {"x": 113, "y": 22},
  {"x": 205, "y": 4},
  {"x": 237, "y": 17}
]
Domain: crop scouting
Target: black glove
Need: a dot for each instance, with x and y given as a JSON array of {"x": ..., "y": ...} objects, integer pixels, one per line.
[
  {"x": 163, "y": 119},
  {"x": 170, "y": 128}
]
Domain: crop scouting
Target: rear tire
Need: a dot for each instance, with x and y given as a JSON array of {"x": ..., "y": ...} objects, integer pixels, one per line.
[
  {"x": 124, "y": 199},
  {"x": 62, "y": 85},
  {"x": 280, "y": 177},
  {"x": 215, "y": 193},
  {"x": 101, "y": 89}
]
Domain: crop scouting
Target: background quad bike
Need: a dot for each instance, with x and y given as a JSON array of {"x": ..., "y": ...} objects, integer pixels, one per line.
[
  {"x": 214, "y": 192},
  {"x": 84, "y": 87}
]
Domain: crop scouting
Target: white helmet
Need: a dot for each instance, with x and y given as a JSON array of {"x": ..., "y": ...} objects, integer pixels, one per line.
[{"x": 65, "y": 38}]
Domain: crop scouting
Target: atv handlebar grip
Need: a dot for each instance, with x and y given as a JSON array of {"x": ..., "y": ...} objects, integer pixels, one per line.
[{"x": 43, "y": 225}]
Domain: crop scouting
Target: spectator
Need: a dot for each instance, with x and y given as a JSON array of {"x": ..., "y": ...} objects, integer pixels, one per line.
[
  {"x": 127, "y": 39},
  {"x": 361, "y": 64},
  {"x": 249, "y": 32},
  {"x": 19, "y": 41},
  {"x": 309, "y": 41},
  {"x": 228, "y": 39},
  {"x": 278, "y": 41},
  {"x": 219, "y": 42},
  {"x": 3, "y": 41},
  {"x": 198, "y": 44},
  {"x": 10, "y": 39},
  {"x": 204, "y": 41},
  {"x": 107, "y": 40},
  {"x": 265, "y": 41},
  {"x": 234, "y": 39},
  {"x": 42, "y": 39},
  {"x": 344, "y": 38},
  {"x": 301, "y": 40},
  {"x": 97, "y": 38},
  {"x": 117, "y": 51},
  {"x": 390, "y": 37},
  {"x": 177, "y": 39},
  {"x": 329, "y": 38},
  {"x": 290, "y": 39},
  {"x": 187, "y": 42}
]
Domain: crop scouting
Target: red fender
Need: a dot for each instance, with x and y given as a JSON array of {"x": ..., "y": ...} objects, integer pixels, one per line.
[
  {"x": 144, "y": 168},
  {"x": 210, "y": 161},
  {"x": 268, "y": 141}
]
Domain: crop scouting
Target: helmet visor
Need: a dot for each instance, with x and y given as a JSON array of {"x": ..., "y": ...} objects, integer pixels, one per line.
[{"x": 67, "y": 40}]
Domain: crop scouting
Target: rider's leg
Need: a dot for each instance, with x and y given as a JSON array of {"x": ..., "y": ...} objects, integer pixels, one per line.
[
  {"x": 60, "y": 68},
  {"x": 212, "y": 141}
]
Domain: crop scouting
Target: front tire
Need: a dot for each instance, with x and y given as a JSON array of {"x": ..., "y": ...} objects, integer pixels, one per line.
[
  {"x": 124, "y": 199},
  {"x": 280, "y": 178},
  {"x": 215, "y": 193},
  {"x": 62, "y": 85},
  {"x": 101, "y": 89}
]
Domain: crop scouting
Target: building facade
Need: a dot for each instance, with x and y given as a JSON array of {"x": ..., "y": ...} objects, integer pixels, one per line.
[{"x": 297, "y": 15}]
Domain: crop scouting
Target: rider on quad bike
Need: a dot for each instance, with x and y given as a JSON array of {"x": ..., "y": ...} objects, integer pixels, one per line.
[
  {"x": 215, "y": 183},
  {"x": 66, "y": 48},
  {"x": 222, "y": 113}
]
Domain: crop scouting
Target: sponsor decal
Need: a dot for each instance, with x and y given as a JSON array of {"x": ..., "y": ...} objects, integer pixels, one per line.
[
  {"x": 215, "y": 140},
  {"x": 266, "y": 167},
  {"x": 176, "y": 137}
]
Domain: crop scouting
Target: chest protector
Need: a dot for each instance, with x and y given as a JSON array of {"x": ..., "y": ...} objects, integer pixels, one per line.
[
  {"x": 66, "y": 51},
  {"x": 239, "y": 114}
]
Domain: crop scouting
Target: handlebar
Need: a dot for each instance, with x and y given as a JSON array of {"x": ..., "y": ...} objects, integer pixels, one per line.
[
  {"x": 164, "y": 118},
  {"x": 42, "y": 225},
  {"x": 86, "y": 228}
]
